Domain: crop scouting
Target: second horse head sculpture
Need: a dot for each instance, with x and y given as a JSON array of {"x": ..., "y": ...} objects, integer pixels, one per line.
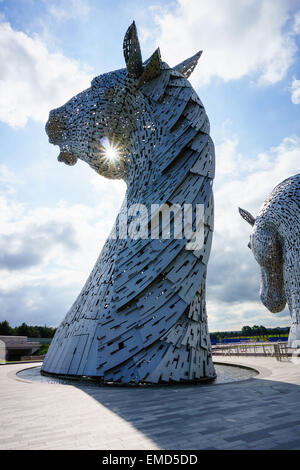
[{"x": 275, "y": 243}]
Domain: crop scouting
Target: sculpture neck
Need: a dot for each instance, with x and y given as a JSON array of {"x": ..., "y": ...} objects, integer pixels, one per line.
[{"x": 173, "y": 117}]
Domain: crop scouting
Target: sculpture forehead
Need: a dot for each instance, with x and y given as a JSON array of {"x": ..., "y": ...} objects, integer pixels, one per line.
[
  {"x": 263, "y": 235},
  {"x": 89, "y": 98},
  {"x": 265, "y": 245},
  {"x": 112, "y": 79}
]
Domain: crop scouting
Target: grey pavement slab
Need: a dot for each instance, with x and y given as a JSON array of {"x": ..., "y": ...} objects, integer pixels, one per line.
[{"x": 259, "y": 413}]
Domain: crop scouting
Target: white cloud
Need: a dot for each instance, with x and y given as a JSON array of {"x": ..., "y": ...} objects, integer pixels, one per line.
[
  {"x": 47, "y": 253},
  {"x": 297, "y": 22},
  {"x": 7, "y": 180},
  {"x": 49, "y": 231},
  {"x": 238, "y": 38},
  {"x": 70, "y": 9},
  {"x": 232, "y": 317},
  {"x": 253, "y": 179},
  {"x": 32, "y": 80},
  {"x": 295, "y": 91}
]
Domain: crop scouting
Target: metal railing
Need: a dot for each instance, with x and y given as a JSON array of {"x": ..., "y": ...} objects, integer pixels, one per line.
[{"x": 278, "y": 350}]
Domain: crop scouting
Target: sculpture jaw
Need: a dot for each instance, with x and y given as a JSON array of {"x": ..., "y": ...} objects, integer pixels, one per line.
[
  {"x": 67, "y": 158},
  {"x": 272, "y": 292},
  {"x": 274, "y": 303},
  {"x": 108, "y": 156}
]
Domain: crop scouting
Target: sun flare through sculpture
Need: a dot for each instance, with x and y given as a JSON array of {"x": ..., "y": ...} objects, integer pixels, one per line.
[{"x": 111, "y": 151}]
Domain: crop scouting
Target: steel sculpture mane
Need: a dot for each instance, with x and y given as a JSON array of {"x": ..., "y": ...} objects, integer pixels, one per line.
[
  {"x": 274, "y": 241},
  {"x": 141, "y": 316}
]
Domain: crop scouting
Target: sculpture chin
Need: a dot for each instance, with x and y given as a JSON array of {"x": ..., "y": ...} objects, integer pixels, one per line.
[
  {"x": 274, "y": 304},
  {"x": 67, "y": 157},
  {"x": 272, "y": 293}
]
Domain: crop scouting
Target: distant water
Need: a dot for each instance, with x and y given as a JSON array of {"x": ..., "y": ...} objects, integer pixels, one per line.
[{"x": 225, "y": 374}]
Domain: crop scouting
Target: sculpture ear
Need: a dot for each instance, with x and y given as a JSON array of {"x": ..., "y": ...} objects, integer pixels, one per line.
[
  {"x": 152, "y": 68},
  {"x": 187, "y": 66},
  {"x": 247, "y": 216},
  {"x": 132, "y": 52}
]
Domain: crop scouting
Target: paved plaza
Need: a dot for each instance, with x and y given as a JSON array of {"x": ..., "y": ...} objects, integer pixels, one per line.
[{"x": 259, "y": 413}]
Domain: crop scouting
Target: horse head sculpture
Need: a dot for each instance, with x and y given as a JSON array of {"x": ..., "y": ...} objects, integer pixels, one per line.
[
  {"x": 118, "y": 109},
  {"x": 141, "y": 316},
  {"x": 274, "y": 242}
]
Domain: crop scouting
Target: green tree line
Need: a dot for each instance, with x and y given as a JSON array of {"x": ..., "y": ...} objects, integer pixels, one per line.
[
  {"x": 250, "y": 331},
  {"x": 48, "y": 331},
  {"x": 26, "y": 330}
]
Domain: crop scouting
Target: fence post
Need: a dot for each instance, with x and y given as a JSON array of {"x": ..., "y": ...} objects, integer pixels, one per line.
[{"x": 2, "y": 352}]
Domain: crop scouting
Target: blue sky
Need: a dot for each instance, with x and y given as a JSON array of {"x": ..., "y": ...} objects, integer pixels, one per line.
[{"x": 54, "y": 219}]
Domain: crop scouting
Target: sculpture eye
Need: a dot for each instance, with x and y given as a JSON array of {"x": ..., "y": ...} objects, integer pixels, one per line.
[{"x": 249, "y": 244}]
